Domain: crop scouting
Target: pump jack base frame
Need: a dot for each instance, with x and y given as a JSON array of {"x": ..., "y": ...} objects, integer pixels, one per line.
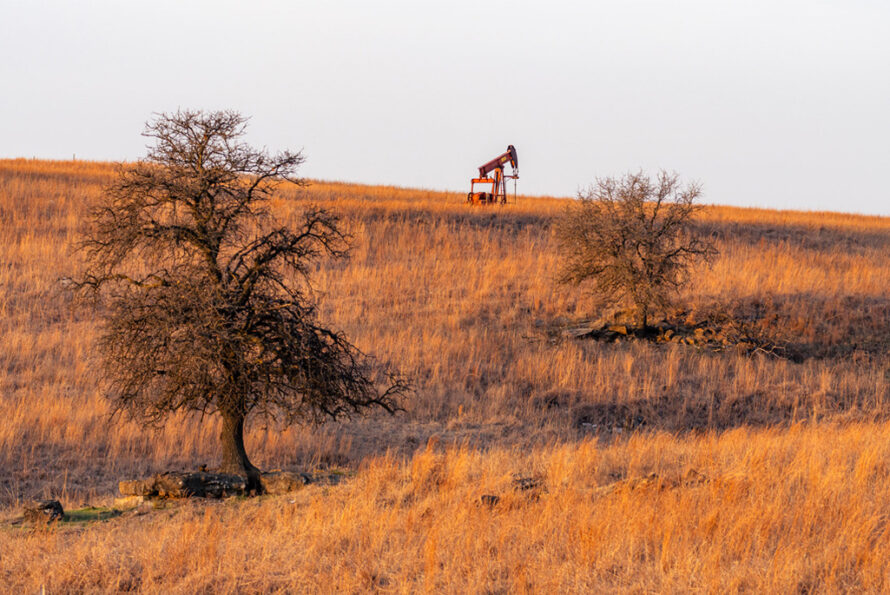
[{"x": 498, "y": 195}]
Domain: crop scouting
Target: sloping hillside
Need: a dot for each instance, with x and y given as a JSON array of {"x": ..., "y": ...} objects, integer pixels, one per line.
[{"x": 462, "y": 301}]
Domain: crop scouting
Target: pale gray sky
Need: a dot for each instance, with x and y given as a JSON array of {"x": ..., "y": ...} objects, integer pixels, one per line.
[{"x": 783, "y": 104}]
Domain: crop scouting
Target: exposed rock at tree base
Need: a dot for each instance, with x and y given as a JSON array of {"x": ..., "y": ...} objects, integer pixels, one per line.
[
  {"x": 740, "y": 336},
  {"x": 283, "y": 482},
  {"x": 204, "y": 484},
  {"x": 43, "y": 511},
  {"x": 131, "y": 487},
  {"x": 186, "y": 485}
]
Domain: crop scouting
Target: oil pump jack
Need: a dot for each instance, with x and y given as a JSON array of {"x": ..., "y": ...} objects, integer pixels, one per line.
[{"x": 497, "y": 179}]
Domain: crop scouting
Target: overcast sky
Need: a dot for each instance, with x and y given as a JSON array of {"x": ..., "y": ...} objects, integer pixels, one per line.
[{"x": 783, "y": 104}]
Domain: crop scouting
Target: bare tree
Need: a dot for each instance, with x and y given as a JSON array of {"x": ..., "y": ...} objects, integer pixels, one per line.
[
  {"x": 206, "y": 299},
  {"x": 631, "y": 239}
]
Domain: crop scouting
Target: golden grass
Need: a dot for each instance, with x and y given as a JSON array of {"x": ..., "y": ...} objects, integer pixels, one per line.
[
  {"x": 790, "y": 510},
  {"x": 461, "y": 299}
]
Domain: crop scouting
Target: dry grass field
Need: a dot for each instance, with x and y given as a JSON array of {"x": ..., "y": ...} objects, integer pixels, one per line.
[{"x": 649, "y": 467}]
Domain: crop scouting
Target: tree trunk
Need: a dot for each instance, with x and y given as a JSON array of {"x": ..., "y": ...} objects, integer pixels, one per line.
[{"x": 234, "y": 456}]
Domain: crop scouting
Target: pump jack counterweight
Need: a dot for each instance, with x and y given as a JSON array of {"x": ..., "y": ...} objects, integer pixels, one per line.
[{"x": 492, "y": 173}]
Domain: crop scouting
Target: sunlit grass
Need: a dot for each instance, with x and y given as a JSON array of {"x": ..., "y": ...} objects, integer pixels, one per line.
[{"x": 461, "y": 299}]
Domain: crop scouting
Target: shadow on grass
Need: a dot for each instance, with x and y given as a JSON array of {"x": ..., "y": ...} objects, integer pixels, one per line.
[
  {"x": 808, "y": 325},
  {"x": 791, "y": 326},
  {"x": 819, "y": 238}
]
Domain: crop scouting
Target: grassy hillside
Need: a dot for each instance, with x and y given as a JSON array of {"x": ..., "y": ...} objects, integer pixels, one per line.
[{"x": 769, "y": 473}]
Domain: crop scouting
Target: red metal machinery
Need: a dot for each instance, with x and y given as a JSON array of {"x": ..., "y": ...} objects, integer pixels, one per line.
[{"x": 497, "y": 181}]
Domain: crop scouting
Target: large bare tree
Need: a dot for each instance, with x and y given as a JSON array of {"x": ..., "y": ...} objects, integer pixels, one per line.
[
  {"x": 631, "y": 239},
  {"x": 206, "y": 299}
]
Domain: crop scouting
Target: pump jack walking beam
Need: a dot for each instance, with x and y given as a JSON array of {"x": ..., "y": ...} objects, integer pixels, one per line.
[{"x": 493, "y": 173}]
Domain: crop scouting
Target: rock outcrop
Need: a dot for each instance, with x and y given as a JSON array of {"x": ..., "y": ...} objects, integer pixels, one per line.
[
  {"x": 283, "y": 482},
  {"x": 186, "y": 485},
  {"x": 204, "y": 484},
  {"x": 43, "y": 512}
]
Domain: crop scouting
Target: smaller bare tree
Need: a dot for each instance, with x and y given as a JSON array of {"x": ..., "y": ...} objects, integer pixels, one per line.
[{"x": 632, "y": 239}]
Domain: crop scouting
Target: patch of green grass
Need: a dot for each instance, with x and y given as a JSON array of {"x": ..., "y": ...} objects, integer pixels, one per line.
[{"x": 90, "y": 514}]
